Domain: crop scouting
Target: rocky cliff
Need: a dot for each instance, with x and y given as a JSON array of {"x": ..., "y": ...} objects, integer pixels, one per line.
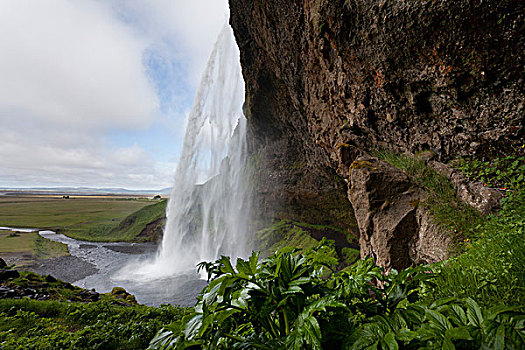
[{"x": 329, "y": 80}]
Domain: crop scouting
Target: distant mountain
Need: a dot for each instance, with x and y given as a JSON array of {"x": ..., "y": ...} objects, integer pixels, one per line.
[{"x": 86, "y": 190}]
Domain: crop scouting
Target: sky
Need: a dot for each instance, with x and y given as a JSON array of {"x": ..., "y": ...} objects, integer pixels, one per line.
[{"x": 95, "y": 93}]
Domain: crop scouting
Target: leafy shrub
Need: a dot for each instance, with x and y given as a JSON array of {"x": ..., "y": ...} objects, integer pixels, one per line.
[
  {"x": 507, "y": 172},
  {"x": 283, "y": 302}
]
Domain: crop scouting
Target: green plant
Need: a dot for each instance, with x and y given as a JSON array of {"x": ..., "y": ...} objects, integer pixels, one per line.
[
  {"x": 283, "y": 301},
  {"x": 491, "y": 268},
  {"x": 507, "y": 172},
  {"x": 447, "y": 209},
  {"x": 31, "y": 324},
  {"x": 445, "y": 324}
]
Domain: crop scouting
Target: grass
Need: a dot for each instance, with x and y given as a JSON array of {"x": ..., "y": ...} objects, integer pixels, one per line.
[
  {"x": 29, "y": 246},
  {"x": 491, "y": 268},
  {"x": 46, "y": 249},
  {"x": 448, "y": 210},
  {"x": 82, "y": 218},
  {"x": 64, "y": 322}
]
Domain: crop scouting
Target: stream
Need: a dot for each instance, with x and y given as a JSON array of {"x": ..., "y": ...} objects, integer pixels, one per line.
[{"x": 108, "y": 260}]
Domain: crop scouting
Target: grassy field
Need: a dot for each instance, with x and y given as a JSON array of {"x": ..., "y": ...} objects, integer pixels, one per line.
[
  {"x": 90, "y": 218},
  {"x": 26, "y": 247}
]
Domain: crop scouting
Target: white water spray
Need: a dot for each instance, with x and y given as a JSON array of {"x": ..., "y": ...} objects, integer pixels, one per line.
[{"x": 209, "y": 206}]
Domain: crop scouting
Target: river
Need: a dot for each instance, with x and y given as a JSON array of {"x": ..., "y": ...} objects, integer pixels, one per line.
[{"x": 108, "y": 260}]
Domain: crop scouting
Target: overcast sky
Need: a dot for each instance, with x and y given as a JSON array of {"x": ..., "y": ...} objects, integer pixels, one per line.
[{"x": 95, "y": 92}]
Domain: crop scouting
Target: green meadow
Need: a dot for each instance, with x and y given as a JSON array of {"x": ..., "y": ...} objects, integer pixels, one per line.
[
  {"x": 29, "y": 246},
  {"x": 87, "y": 218}
]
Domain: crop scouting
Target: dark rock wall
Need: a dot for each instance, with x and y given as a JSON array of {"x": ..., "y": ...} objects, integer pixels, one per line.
[{"x": 327, "y": 79}]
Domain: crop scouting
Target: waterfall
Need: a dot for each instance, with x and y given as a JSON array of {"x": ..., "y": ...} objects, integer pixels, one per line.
[{"x": 208, "y": 209}]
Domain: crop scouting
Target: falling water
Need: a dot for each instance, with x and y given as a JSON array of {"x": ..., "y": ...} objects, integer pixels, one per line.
[{"x": 208, "y": 207}]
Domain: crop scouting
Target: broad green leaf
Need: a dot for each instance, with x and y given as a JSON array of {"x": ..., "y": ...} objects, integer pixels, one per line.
[
  {"x": 293, "y": 290},
  {"x": 192, "y": 326},
  {"x": 390, "y": 341},
  {"x": 496, "y": 341},
  {"x": 405, "y": 335},
  {"x": 497, "y": 310},
  {"x": 244, "y": 268},
  {"x": 458, "y": 315},
  {"x": 211, "y": 291},
  {"x": 300, "y": 281},
  {"x": 223, "y": 315},
  {"x": 448, "y": 345},
  {"x": 314, "y": 332},
  {"x": 254, "y": 260},
  {"x": 474, "y": 314},
  {"x": 458, "y": 333},
  {"x": 438, "y": 321},
  {"x": 205, "y": 323},
  {"x": 163, "y": 339},
  {"x": 226, "y": 265},
  {"x": 442, "y": 301}
]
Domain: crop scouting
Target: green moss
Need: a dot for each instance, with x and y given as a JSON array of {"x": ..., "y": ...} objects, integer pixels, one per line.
[
  {"x": 350, "y": 255},
  {"x": 283, "y": 234}
]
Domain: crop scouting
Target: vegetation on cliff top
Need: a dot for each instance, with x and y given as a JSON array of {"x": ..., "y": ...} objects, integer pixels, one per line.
[
  {"x": 128, "y": 229},
  {"x": 447, "y": 209}
]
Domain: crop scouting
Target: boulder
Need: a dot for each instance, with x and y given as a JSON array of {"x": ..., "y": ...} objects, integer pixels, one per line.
[
  {"x": 5, "y": 274},
  {"x": 393, "y": 228},
  {"x": 475, "y": 194}
]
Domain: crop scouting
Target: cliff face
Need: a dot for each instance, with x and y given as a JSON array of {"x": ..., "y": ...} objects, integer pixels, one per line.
[{"x": 329, "y": 79}]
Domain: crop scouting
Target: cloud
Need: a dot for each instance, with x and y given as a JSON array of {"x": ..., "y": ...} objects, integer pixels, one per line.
[
  {"x": 76, "y": 73},
  {"x": 72, "y": 63},
  {"x": 46, "y": 157},
  {"x": 187, "y": 29}
]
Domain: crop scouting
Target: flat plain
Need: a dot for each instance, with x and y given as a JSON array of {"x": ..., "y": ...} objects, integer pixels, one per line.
[
  {"x": 78, "y": 216},
  {"x": 81, "y": 217}
]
